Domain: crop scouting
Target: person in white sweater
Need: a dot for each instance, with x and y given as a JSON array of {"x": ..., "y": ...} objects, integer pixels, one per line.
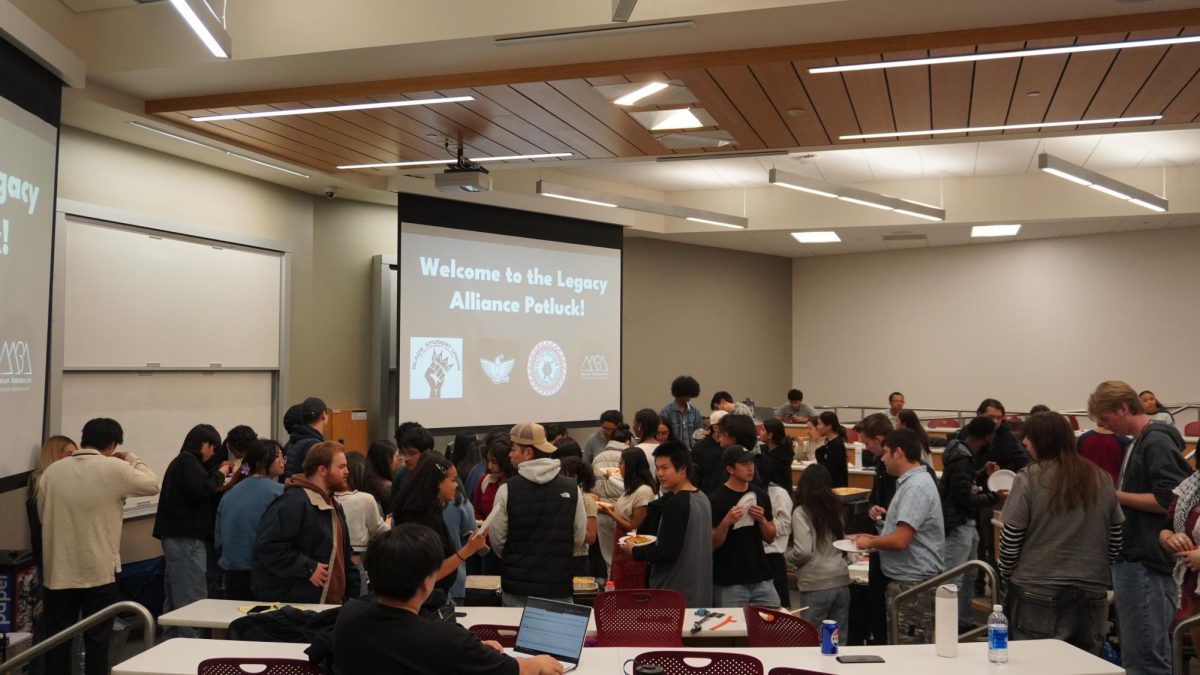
[
  {"x": 81, "y": 501},
  {"x": 822, "y": 575},
  {"x": 363, "y": 518}
]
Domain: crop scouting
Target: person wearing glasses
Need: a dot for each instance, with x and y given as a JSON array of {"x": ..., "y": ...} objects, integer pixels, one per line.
[{"x": 595, "y": 444}]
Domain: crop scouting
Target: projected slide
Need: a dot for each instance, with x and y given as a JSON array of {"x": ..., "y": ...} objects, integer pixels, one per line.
[
  {"x": 497, "y": 329},
  {"x": 26, "y": 222}
]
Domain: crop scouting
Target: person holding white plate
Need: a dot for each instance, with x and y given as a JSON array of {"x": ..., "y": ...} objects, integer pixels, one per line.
[
  {"x": 821, "y": 573},
  {"x": 742, "y": 521}
]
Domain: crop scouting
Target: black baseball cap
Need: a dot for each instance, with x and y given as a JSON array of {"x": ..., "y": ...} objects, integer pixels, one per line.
[
  {"x": 736, "y": 454},
  {"x": 312, "y": 408}
]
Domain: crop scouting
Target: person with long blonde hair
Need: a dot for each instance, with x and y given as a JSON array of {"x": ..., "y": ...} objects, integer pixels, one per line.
[{"x": 54, "y": 449}]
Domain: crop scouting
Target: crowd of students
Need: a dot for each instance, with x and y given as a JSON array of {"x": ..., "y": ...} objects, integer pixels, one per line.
[{"x": 248, "y": 518}]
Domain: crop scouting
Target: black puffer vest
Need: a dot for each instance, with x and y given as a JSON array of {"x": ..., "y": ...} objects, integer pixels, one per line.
[{"x": 540, "y": 550}]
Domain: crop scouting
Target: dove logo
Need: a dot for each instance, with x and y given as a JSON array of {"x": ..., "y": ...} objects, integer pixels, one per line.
[
  {"x": 595, "y": 367},
  {"x": 497, "y": 369},
  {"x": 546, "y": 368}
]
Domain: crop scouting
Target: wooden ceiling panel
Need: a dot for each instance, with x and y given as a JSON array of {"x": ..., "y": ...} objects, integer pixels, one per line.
[
  {"x": 415, "y": 128},
  {"x": 605, "y": 81},
  {"x": 1176, "y": 69},
  {"x": 1183, "y": 107},
  {"x": 296, "y": 133},
  {"x": 908, "y": 89},
  {"x": 509, "y": 122},
  {"x": 741, "y": 87},
  {"x": 783, "y": 87},
  {"x": 565, "y": 109},
  {"x": 1128, "y": 75},
  {"x": 353, "y": 137},
  {"x": 950, "y": 91},
  {"x": 992, "y": 88},
  {"x": 1036, "y": 82},
  {"x": 529, "y": 111},
  {"x": 587, "y": 98},
  {"x": 437, "y": 119},
  {"x": 714, "y": 100},
  {"x": 1081, "y": 78},
  {"x": 272, "y": 145},
  {"x": 474, "y": 128},
  {"x": 413, "y": 147},
  {"x": 868, "y": 91},
  {"x": 831, "y": 101}
]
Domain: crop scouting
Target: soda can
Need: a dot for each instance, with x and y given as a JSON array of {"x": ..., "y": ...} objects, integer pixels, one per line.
[{"x": 829, "y": 637}]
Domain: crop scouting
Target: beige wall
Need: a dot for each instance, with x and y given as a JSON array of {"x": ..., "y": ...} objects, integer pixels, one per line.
[
  {"x": 723, "y": 317},
  {"x": 1026, "y": 322}
]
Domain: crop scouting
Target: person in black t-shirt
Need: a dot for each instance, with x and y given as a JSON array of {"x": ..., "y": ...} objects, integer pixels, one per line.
[
  {"x": 741, "y": 573},
  {"x": 386, "y": 635}
]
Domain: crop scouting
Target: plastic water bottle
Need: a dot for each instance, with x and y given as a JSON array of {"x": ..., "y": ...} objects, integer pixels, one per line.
[{"x": 997, "y": 635}]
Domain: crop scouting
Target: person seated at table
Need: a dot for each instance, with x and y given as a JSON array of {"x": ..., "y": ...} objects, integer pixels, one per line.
[
  {"x": 908, "y": 419},
  {"x": 1154, "y": 409},
  {"x": 832, "y": 453},
  {"x": 895, "y": 405},
  {"x": 363, "y": 517},
  {"x": 795, "y": 411},
  {"x": 821, "y": 572},
  {"x": 681, "y": 557},
  {"x": 780, "y": 451},
  {"x": 246, "y": 498},
  {"x": 387, "y": 634},
  {"x": 1062, "y": 532},
  {"x": 741, "y": 573},
  {"x": 912, "y": 535},
  {"x": 723, "y": 400},
  {"x": 296, "y": 558}
]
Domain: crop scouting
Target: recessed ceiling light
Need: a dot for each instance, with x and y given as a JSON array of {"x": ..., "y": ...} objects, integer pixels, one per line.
[
  {"x": 1018, "y": 54},
  {"x": 333, "y": 108},
  {"x": 817, "y": 237},
  {"x": 678, "y": 119},
  {"x": 995, "y": 230},
  {"x": 999, "y": 127},
  {"x": 432, "y": 162},
  {"x": 641, "y": 93}
]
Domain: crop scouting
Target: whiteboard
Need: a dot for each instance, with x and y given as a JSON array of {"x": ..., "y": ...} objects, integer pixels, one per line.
[
  {"x": 138, "y": 299},
  {"x": 156, "y": 410}
]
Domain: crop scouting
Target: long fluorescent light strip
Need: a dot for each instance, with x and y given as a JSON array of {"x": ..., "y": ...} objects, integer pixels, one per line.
[
  {"x": 268, "y": 165},
  {"x": 999, "y": 127},
  {"x": 584, "y": 196},
  {"x": 213, "y": 147},
  {"x": 197, "y": 25},
  {"x": 168, "y": 134},
  {"x": 641, "y": 93},
  {"x": 333, "y": 108},
  {"x": 1019, "y": 54},
  {"x": 917, "y": 215},
  {"x": 581, "y": 200},
  {"x": 431, "y": 162},
  {"x": 593, "y": 32},
  {"x": 1101, "y": 183},
  {"x": 863, "y": 202},
  {"x": 855, "y": 196},
  {"x": 713, "y": 222},
  {"x": 819, "y": 193}
]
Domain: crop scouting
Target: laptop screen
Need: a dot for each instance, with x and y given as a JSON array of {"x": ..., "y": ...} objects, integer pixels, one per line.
[{"x": 553, "y": 628}]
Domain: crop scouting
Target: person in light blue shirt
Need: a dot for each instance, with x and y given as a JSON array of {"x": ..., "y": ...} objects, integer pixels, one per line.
[
  {"x": 460, "y": 522},
  {"x": 683, "y": 417},
  {"x": 252, "y": 490},
  {"x": 912, "y": 535}
]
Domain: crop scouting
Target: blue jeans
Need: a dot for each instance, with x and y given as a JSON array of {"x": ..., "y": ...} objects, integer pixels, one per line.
[
  {"x": 960, "y": 546},
  {"x": 185, "y": 579},
  {"x": 1073, "y": 615},
  {"x": 831, "y": 603},
  {"x": 1145, "y": 605},
  {"x": 740, "y": 595}
]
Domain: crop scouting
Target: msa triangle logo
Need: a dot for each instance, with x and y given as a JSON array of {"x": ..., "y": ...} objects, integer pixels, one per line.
[
  {"x": 498, "y": 369},
  {"x": 594, "y": 367}
]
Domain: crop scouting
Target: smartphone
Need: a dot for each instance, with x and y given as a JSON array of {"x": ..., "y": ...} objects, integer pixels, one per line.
[
  {"x": 859, "y": 658},
  {"x": 257, "y": 609}
]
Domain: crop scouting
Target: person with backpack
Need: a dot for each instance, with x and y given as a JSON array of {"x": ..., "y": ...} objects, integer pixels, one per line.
[
  {"x": 964, "y": 493},
  {"x": 314, "y": 418}
]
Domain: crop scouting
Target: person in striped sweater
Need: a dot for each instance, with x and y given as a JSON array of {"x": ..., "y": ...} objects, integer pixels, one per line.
[{"x": 1062, "y": 532}]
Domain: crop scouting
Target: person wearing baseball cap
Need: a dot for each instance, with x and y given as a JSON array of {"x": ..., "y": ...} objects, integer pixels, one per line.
[
  {"x": 708, "y": 472},
  {"x": 310, "y": 430},
  {"x": 538, "y": 521}
]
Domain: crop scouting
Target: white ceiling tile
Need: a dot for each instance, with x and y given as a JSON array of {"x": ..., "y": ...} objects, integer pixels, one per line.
[
  {"x": 1005, "y": 158},
  {"x": 950, "y": 159},
  {"x": 1074, "y": 149},
  {"x": 902, "y": 163},
  {"x": 1119, "y": 151},
  {"x": 843, "y": 166}
]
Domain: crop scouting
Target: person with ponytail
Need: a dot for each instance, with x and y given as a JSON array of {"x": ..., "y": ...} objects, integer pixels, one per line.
[
  {"x": 832, "y": 453},
  {"x": 253, "y": 488},
  {"x": 780, "y": 451}
]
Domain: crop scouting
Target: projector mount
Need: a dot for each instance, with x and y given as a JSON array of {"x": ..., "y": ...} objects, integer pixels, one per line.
[{"x": 462, "y": 164}]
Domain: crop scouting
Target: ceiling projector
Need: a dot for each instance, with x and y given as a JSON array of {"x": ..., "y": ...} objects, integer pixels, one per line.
[{"x": 463, "y": 176}]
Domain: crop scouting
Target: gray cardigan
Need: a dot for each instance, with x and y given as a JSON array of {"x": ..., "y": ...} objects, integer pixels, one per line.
[{"x": 818, "y": 568}]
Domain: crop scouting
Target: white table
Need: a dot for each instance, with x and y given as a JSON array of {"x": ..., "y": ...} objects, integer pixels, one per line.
[
  {"x": 1030, "y": 657},
  {"x": 218, "y": 614},
  {"x": 511, "y": 616}
]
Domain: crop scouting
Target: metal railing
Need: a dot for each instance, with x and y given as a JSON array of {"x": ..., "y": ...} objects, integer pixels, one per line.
[
  {"x": 1177, "y": 643},
  {"x": 948, "y": 575},
  {"x": 65, "y": 635}
]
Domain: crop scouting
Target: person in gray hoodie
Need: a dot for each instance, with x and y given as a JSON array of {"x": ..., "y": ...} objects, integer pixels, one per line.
[
  {"x": 821, "y": 573},
  {"x": 538, "y": 521}
]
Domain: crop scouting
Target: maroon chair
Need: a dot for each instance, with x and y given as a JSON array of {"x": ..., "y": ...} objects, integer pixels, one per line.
[
  {"x": 1073, "y": 422},
  {"x": 505, "y": 635},
  {"x": 719, "y": 663},
  {"x": 784, "y": 670},
  {"x": 851, "y": 435},
  {"x": 1191, "y": 429},
  {"x": 233, "y": 666},
  {"x": 771, "y": 628},
  {"x": 942, "y": 423},
  {"x": 640, "y": 618}
]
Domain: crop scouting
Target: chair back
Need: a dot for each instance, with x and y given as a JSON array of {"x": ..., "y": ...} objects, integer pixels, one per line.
[
  {"x": 1073, "y": 422},
  {"x": 851, "y": 435},
  {"x": 942, "y": 423},
  {"x": 505, "y": 635},
  {"x": 640, "y": 618},
  {"x": 233, "y": 666},
  {"x": 771, "y": 628},
  {"x": 784, "y": 670},
  {"x": 1191, "y": 429},
  {"x": 718, "y": 663}
]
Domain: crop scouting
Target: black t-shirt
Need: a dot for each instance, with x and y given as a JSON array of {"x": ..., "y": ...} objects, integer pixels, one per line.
[
  {"x": 373, "y": 638},
  {"x": 434, "y": 521},
  {"x": 741, "y": 559}
]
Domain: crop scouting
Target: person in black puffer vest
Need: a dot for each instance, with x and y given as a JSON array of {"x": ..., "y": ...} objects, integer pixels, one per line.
[{"x": 539, "y": 520}]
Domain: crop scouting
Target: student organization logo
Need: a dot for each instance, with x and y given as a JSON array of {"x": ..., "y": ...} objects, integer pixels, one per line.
[
  {"x": 594, "y": 367},
  {"x": 435, "y": 371},
  {"x": 546, "y": 368},
  {"x": 497, "y": 369}
]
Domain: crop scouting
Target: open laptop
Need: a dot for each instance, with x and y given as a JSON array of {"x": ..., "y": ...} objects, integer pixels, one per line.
[{"x": 556, "y": 629}]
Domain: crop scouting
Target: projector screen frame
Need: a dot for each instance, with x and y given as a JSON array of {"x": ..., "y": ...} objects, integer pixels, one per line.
[{"x": 459, "y": 215}]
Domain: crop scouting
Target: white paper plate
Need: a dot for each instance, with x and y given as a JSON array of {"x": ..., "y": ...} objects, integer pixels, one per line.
[
  {"x": 849, "y": 546},
  {"x": 1001, "y": 480},
  {"x": 650, "y": 539}
]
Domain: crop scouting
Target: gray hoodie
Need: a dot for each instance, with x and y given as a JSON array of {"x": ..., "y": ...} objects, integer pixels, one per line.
[{"x": 540, "y": 471}]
